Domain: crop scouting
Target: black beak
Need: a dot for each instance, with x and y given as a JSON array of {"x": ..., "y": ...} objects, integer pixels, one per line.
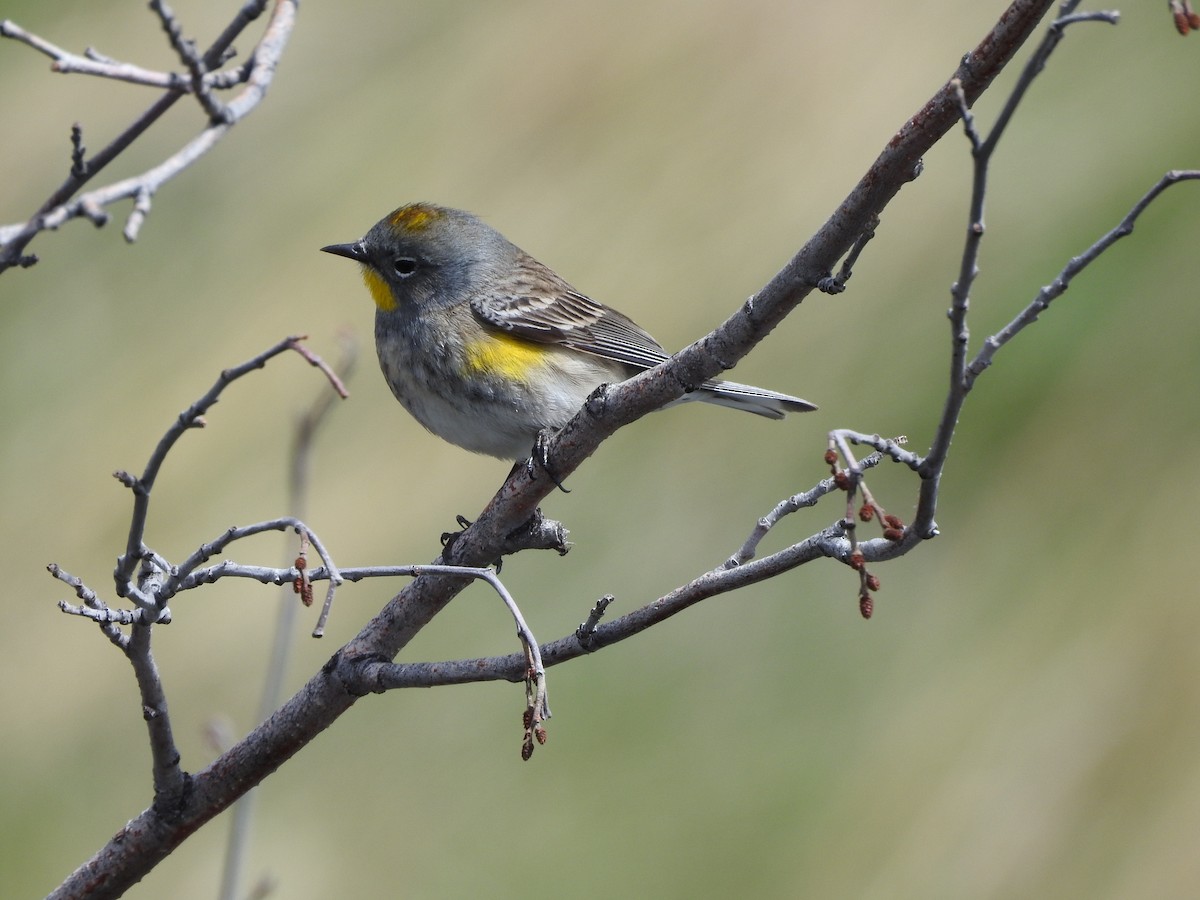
[{"x": 356, "y": 251}]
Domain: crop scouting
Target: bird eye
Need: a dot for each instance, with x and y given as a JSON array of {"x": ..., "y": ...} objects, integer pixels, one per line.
[{"x": 404, "y": 266}]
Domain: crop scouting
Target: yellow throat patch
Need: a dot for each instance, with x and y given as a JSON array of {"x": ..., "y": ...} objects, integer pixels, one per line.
[{"x": 380, "y": 292}]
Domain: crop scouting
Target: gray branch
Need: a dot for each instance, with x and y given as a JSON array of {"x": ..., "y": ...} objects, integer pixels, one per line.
[
  {"x": 1058, "y": 287},
  {"x": 203, "y": 77},
  {"x": 192, "y": 417},
  {"x": 982, "y": 150}
]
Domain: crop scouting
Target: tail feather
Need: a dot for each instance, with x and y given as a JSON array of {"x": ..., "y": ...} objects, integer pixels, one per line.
[{"x": 745, "y": 397}]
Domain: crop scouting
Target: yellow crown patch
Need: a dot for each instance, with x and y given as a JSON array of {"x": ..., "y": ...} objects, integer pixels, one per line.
[{"x": 414, "y": 217}]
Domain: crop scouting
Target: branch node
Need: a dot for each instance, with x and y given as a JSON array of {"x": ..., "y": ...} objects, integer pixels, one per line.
[
  {"x": 93, "y": 212},
  {"x": 141, "y": 209},
  {"x": 130, "y": 481},
  {"x": 587, "y": 628},
  {"x": 79, "y": 167},
  {"x": 96, "y": 56},
  {"x": 830, "y": 285}
]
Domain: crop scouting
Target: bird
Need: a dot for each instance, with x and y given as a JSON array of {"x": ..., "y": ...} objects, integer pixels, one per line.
[{"x": 490, "y": 349}]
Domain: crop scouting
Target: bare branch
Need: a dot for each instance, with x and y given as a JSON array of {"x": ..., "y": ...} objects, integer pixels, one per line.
[
  {"x": 587, "y": 627},
  {"x": 302, "y": 445},
  {"x": 185, "y": 577},
  {"x": 982, "y": 151},
  {"x": 93, "y": 63},
  {"x": 104, "y": 616},
  {"x": 784, "y": 508},
  {"x": 192, "y": 417},
  {"x": 94, "y": 608},
  {"x": 78, "y": 151},
  {"x": 374, "y": 675},
  {"x": 335, "y": 380},
  {"x": 189, "y": 55},
  {"x": 170, "y": 780},
  {"x": 60, "y": 207},
  {"x": 1037, "y": 62},
  {"x": 1062, "y": 281}
]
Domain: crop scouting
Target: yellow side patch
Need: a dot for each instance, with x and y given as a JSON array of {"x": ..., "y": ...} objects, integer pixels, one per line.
[
  {"x": 380, "y": 292},
  {"x": 504, "y": 356}
]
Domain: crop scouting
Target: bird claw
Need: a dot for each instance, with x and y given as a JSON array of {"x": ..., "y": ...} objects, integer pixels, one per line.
[
  {"x": 449, "y": 537},
  {"x": 540, "y": 456}
]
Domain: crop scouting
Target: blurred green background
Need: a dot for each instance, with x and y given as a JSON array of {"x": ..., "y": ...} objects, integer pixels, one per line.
[{"x": 1019, "y": 718}]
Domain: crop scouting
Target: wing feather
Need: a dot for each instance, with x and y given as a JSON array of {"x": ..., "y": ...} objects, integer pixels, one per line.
[{"x": 543, "y": 307}]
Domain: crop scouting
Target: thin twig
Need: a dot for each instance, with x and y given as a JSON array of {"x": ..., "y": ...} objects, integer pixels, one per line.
[
  {"x": 192, "y": 417},
  {"x": 192, "y": 61},
  {"x": 783, "y": 508},
  {"x": 169, "y": 779},
  {"x": 250, "y": 11},
  {"x": 533, "y": 673},
  {"x": 93, "y": 607},
  {"x": 78, "y": 151},
  {"x": 583, "y": 633},
  {"x": 306, "y": 428},
  {"x": 320, "y": 407},
  {"x": 1062, "y": 281},
  {"x": 835, "y": 284},
  {"x": 981, "y": 153},
  {"x": 94, "y": 63},
  {"x": 104, "y": 616},
  {"x": 257, "y": 76},
  {"x": 185, "y": 576},
  {"x": 831, "y": 542}
]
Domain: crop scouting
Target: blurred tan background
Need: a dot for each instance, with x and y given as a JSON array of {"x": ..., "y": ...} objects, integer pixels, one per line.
[{"x": 1019, "y": 718}]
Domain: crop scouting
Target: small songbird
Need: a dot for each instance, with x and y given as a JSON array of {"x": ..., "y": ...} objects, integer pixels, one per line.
[{"x": 487, "y": 347}]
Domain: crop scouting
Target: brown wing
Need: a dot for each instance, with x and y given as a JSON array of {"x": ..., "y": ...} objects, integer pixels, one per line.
[{"x": 542, "y": 307}]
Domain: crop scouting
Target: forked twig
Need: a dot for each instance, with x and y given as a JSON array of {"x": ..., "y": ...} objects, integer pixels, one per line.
[{"x": 204, "y": 76}]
